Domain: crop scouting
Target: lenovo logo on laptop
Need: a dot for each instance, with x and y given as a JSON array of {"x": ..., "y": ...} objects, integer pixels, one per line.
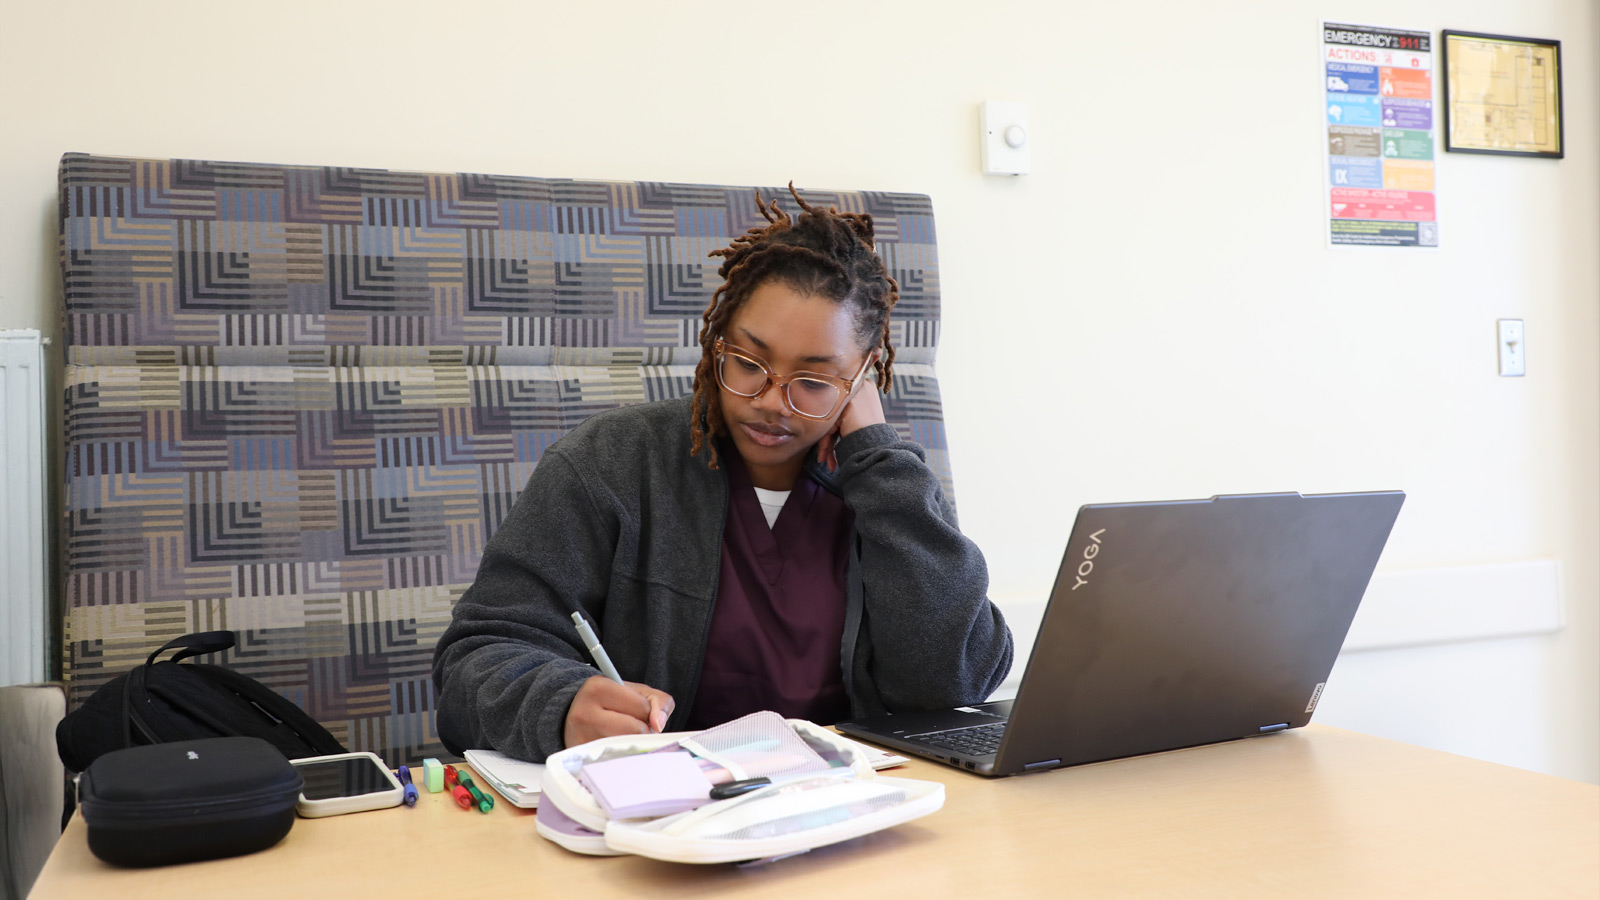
[
  {"x": 1316, "y": 694},
  {"x": 1089, "y": 553}
]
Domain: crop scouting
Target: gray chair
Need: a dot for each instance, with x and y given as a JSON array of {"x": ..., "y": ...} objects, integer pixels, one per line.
[{"x": 33, "y": 784}]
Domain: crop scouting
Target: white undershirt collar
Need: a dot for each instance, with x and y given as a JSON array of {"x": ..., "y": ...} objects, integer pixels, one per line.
[{"x": 771, "y": 503}]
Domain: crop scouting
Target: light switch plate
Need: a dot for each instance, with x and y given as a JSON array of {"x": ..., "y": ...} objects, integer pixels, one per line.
[{"x": 1512, "y": 353}]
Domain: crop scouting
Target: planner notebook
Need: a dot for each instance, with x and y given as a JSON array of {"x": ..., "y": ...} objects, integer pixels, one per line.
[{"x": 514, "y": 779}]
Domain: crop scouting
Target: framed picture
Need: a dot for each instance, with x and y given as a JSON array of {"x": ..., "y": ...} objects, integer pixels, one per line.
[{"x": 1502, "y": 95}]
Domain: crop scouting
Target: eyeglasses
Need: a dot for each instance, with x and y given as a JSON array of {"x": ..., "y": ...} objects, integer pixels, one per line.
[{"x": 810, "y": 394}]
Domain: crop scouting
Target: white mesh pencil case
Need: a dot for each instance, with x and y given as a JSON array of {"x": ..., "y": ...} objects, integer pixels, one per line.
[{"x": 785, "y": 786}]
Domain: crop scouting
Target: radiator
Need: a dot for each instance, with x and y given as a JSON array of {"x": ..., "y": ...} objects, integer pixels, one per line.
[{"x": 24, "y": 528}]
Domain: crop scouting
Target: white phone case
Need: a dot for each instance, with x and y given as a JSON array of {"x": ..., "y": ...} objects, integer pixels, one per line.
[{"x": 334, "y": 806}]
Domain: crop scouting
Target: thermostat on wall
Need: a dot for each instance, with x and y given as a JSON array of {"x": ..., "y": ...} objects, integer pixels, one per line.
[{"x": 1003, "y": 135}]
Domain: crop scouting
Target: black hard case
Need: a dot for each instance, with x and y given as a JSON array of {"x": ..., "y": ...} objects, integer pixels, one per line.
[{"x": 188, "y": 800}]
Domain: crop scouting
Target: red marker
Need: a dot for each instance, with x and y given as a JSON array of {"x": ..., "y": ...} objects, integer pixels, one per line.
[
  {"x": 450, "y": 777},
  {"x": 463, "y": 798}
]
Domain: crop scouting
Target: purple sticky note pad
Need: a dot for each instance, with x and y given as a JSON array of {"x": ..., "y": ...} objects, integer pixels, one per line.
[{"x": 647, "y": 785}]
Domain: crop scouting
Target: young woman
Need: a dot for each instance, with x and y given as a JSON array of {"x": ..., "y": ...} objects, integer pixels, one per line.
[{"x": 768, "y": 543}]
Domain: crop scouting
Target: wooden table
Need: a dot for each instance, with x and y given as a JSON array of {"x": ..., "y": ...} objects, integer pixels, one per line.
[{"x": 1315, "y": 812}]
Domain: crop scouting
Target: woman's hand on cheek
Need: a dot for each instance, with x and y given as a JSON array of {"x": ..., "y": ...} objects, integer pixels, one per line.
[{"x": 865, "y": 408}]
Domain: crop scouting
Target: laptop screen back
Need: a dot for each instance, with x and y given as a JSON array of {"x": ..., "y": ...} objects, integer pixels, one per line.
[{"x": 1183, "y": 623}]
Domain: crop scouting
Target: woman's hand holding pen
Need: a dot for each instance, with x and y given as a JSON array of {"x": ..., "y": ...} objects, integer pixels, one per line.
[
  {"x": 606, "y": 705},
  {"x": 604, "y": 708}
]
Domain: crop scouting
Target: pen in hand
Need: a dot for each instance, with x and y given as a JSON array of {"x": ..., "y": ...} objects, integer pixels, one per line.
[{"x": 602, "y": 661}]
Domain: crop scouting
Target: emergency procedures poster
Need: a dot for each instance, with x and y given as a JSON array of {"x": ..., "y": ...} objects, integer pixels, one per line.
[{"x": 1379, "y": 110}]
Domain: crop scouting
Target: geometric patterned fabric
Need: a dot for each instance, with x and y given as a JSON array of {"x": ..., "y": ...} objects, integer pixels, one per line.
[{"x": 299, "y": 399}]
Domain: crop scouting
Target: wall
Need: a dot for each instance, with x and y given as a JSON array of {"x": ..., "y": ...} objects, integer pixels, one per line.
[{"x": 1151, "y": 314}]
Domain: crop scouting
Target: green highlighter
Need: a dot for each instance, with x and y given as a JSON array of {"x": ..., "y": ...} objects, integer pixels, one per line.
[{"x": 484, "y": 801}]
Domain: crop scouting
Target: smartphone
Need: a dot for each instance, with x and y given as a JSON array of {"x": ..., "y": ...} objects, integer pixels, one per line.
[{"x": 345, "y": 783}]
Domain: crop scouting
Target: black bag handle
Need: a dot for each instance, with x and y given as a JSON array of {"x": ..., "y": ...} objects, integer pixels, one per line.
[
  {"x": 131, "y": 719},
  {"x": 197, "y": 644}
]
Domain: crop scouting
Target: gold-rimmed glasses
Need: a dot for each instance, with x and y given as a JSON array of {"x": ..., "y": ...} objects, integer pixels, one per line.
[{"x": 814, "y": 395}]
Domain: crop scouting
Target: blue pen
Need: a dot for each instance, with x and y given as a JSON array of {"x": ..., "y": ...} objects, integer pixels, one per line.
[{"x": 411, "y": 789}]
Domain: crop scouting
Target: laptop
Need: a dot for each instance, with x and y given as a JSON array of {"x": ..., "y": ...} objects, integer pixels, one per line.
[{"x": 1171, "y": 625}]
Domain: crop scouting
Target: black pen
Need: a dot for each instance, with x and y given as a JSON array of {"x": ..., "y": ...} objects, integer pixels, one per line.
[{"x": 731, "y": 789}]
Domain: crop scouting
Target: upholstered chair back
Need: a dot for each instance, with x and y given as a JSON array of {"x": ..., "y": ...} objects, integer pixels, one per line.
[{"x": 299, "y": 399}]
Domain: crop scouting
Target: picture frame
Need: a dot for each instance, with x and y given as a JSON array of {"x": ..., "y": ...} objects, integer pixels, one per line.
[{"x": 1502, "y": 95}]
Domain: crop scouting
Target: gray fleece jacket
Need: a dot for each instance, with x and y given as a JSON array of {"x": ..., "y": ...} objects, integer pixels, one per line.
[{"x": 619, "y": 520}]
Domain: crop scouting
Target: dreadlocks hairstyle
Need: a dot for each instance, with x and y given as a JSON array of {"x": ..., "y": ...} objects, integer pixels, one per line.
[{"x": 825, "y": 253}]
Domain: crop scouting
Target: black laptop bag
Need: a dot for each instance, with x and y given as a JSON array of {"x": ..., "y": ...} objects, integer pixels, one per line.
[{"x": 171, "y": 700}]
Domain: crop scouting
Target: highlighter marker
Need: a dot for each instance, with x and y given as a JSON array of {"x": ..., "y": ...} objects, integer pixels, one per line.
[
  {"x": 463, "y": 799},
  {"x": 450, "y": 777},
  {"x": 411, "y": 789},
  {"x": 485, "y": 802}
]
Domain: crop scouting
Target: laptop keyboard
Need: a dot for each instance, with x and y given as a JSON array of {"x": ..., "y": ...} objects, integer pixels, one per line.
[{"x": 979, "y": 740}]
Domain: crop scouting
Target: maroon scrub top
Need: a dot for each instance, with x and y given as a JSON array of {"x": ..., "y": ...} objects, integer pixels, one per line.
[{"x": 779, "y": 616}]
